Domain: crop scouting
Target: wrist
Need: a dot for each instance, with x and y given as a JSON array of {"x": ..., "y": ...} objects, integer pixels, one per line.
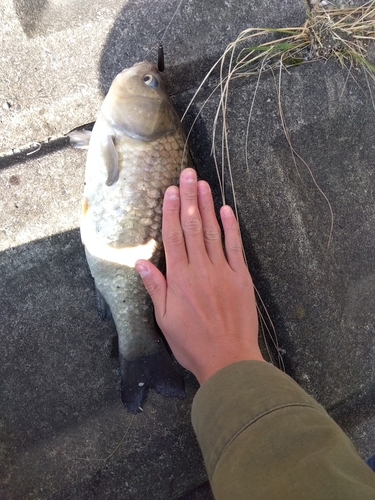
[{"x": 214, "y": 364}]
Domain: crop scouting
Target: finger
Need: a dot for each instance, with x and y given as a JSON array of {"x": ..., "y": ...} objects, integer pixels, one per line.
[
  {"x": 211, "y": 228},
  {"x": 191, "y": 221},
  {"x": 155, "y": 285},
  {"x": 173, "y": 236},
  {"x": 233, "y": 243}
]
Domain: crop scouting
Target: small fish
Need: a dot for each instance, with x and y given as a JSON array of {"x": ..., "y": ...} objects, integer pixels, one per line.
[{"x": 137, "y": 149}]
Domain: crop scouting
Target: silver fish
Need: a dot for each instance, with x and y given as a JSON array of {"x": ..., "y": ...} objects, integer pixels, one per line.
[{"x": 137, "y": 149}]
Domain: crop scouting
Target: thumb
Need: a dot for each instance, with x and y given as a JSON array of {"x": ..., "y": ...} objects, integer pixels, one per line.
[{"x": 154, "y": 283}]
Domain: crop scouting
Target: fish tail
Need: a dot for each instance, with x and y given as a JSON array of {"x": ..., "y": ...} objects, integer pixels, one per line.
[{"x": 156, "y": 370}]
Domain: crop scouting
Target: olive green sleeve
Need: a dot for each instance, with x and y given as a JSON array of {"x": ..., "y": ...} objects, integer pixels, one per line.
[{"x": 263, "y": 437}]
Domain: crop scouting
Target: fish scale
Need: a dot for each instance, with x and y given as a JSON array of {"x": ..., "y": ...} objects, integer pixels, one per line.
[{"x": 137, "y": 149}]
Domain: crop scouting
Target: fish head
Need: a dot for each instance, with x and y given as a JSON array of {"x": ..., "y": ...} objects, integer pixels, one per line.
[{"x": 138, "y": 105}]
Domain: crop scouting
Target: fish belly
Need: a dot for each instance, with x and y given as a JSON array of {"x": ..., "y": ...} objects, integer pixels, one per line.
[
  {"x": 130, "y": 305},
  {"x": 122, "y": 223}
]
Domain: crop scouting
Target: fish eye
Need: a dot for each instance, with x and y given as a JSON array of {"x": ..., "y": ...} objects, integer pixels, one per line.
[{"x": 151, "y": 81}]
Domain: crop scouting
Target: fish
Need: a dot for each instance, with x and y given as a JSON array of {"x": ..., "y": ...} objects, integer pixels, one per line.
[{"x": 136, "y": 150}]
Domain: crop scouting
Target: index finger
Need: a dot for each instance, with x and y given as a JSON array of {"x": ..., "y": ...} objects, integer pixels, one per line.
[{"x": 173, "y": 236}]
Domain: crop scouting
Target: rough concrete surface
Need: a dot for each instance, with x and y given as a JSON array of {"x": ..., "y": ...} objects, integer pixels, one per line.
[
  {"x": 322, "y": 297},
  {"x": 63, "y": 430}
]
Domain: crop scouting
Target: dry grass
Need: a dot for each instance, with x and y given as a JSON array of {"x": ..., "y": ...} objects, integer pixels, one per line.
[{"x": 343, "y": 34}]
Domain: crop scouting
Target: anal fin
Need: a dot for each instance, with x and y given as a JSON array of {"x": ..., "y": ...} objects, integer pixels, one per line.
[{"x": 103, "y": 308}]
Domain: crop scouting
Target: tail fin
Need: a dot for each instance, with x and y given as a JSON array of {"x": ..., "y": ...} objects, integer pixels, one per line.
[{"x": 155, "y": 370}]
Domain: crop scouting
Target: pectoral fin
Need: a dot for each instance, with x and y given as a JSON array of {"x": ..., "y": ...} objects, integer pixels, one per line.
[
  {"x": 110, "y": 158},
  {"x": 79, "y": 139}
]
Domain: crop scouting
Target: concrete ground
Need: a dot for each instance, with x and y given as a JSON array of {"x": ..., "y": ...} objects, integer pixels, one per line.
[{"x": 63, "y": 430}]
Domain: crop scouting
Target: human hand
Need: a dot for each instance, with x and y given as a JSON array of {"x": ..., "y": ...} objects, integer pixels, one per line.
[{"x": 206, "y": 305}]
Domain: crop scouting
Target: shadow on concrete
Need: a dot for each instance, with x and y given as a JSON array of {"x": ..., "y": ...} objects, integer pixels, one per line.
[
  {"x": 193, "y": 38},
  {"x": 136, "y": 33},
  {"x": 32, "y": 152},
  {"x": 57, "y": 362},
  {"x": 203, "y": 492},
  {"x": 29, "y": 14},
  {"x": 60, "y": 404}
]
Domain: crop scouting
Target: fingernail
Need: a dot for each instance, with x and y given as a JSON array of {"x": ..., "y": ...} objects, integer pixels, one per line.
[
  {"x": 226, "y": 211},
  {"x": 203, "y": 187},
  {"x": 142, "y": 270},
  {"x": 188, "y": 175},
  {"x": 172, "y": 193}
]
